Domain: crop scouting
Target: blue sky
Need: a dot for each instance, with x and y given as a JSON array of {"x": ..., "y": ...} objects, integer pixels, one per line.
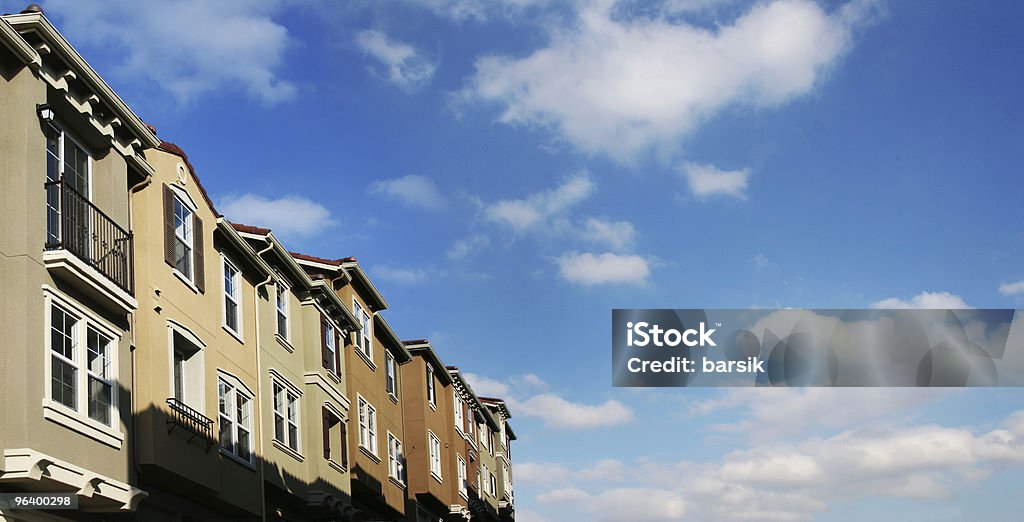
[{"x": 510, "y": 171}]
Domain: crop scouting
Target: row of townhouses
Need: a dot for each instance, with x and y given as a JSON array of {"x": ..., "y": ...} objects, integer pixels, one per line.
[{"x": 164, "y": 364}]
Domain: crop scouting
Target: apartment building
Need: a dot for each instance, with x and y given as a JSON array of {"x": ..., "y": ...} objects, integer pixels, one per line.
[
  {"x": 473, "y": 422},
  {"x": 374, "y": 357},
  {"x": 503, "y": 455},
  {"x": 307, "y": 409},
  {"x": 70, "y": 151},
  {"x": 429, "y": 414},
  {"x": 165, "y": 364}
]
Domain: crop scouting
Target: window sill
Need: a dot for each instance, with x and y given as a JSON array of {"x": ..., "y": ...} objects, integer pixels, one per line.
[
  {"x": 396, "y": 482},
  {"x": 366, "y": 359},
  {"x": 337, "y": 467},
  {"x": 60, "y": 414},
  {"x": 236, "y": 335},
  {"x": 436, "y": 477},
  {"x": 433, "y": 405},
  {"x": 393, "y": 397},
  {"x": 366, "y": 451},
  {"x": 464, "y": 495},
  {"x": 237, "y": 459},
  {"x": 284, "y": 342},
  {"x": 291, "y": 453},
  {"x": 188, "y": 282}
]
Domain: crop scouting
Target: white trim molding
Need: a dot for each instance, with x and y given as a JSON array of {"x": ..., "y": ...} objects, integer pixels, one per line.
[{"x": 38, "y": 470}]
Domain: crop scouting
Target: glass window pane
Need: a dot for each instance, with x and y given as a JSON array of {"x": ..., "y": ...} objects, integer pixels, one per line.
[
  {"x": 63, "y": 379},
  {"x": 100, "y": 400}
]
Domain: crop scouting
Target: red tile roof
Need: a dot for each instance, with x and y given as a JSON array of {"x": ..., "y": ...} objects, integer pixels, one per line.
[
  {"x": 167, "y": 146},
  {"x": 251, "y": 229},
  {"x": 411, "y": 342},
  {"x": 315, "y": 259}
]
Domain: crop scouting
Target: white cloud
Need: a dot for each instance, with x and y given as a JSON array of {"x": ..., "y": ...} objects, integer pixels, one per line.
[
  {"x": 557, "y": 412},
  {"x": 707, "y": 180},
  {"x": 476, "y": 10},
  {"x": 1012, "y": 288},
  {"x": 619, "y": 86},
  {"x": 924, "y": 300},
  {"x": 287, "y": 216},
  {"x": 464, "y": 247},
  {"x": 589, "y": 269},
  {"x": 761, "y": 261},
  {"x": 187, "y": 47},
  {"x": 618, "y": 235},
  {"x": 622, "y": 504},
  {"x": 401, "y": 276},
  {"x": 406, "y": 67},
  {"x": 534, "y": 210},
  {"x": 808, "y": 410},
  {"x": 794, "y": 479},
  {"x": 413, "y": 190},
  {"x": 485, "y": 386}
]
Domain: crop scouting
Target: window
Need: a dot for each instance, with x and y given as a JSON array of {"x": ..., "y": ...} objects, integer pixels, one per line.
[
  {"x": 469, "y": 422},
  {"x": 286, "y": 416},
  {"x": 389, "y": 374},
  {"x": 232, "y": 297},
  {"x": 234, "y": 412},
  {"x": 490, "y": 442},
  {"x": 182, "y": 238},
  {"x": 365, "y": 335},
  {"x": 483, "y": 435},
  {"x": 73, "y": 384},
  {"x": 435, "y": 455},
  {"x": 282, "y": 310},
  {"x": 507, "y": 479},
  {"x": 67, "y": 161},
  {"x": 493, "y": 486},
  {"x": 336, "y": 429},
  {"x": 367, "y": 426},
  {"x": 484, "y": 472},
  {"x": 458, "y": 410},
  {"x": 187, "y": 374},
  {"x": 396, "y": 459},
  {"x": 329, "y": 346},
  {"x": 463, "y": 487},
  {"x": 431, "y": 395}
]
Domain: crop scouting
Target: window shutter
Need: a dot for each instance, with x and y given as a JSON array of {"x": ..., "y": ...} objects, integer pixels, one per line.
[
  {"x": 198, "y": 268},
  {"x": 337, "y": 358},
  {"x": 323, "y": 344},
  {"x": 327, "y": 433},
  {"x": 168, "y": 225},
  {"x": 344, "y": 444}
]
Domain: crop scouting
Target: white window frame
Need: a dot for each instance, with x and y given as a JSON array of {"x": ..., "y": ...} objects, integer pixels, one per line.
[
  {"x": 289, "y": 411},
  {"x": 431, "y": 387},
  {"x": 493, "y": 486},
  {"x": 194, "y": 380},
  {"x": 396, "y": 459},
  {"x": 482, "y": 472},
  {"x": 281, "y": 306},
  {"x": 367, "y": 425},
  {"x": 62, "y": 138},
  {"x": 434, "y": 444},
  {"x": 232, "y": 391},
  {"x": 187, "y": 234},
  {"x": 459, "y": 415},
  {"x": 78, "y": 418},
  {"x": 390, "y": 374},
  {"x": 364, "y": 337},
  {"x": 330, "y": 341},
  {"x": 507, "y": 479},
  {"x": 235, "y": 298},
  {"x": 463, "y": 473}
]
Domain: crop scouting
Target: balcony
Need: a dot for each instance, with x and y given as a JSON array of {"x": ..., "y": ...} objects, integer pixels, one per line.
[
  {"x": 88, "y": 248},
  {"x": 193, "y": 423}
]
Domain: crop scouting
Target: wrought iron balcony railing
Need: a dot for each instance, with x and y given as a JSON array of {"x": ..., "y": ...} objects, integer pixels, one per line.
[
  {"x": 74, "y": 224},
  {"x": 190, "y": 420}
]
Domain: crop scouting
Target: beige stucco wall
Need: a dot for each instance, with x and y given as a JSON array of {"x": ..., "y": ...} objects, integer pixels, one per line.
[
  {"x": 165, "y": 297},
  {"x": 24, "y": 345}
]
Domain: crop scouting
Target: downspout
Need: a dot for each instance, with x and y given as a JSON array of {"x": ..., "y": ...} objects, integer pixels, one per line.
[
  {"x": 133, "y": 451},
  {"x": 259, "y": 381}
]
